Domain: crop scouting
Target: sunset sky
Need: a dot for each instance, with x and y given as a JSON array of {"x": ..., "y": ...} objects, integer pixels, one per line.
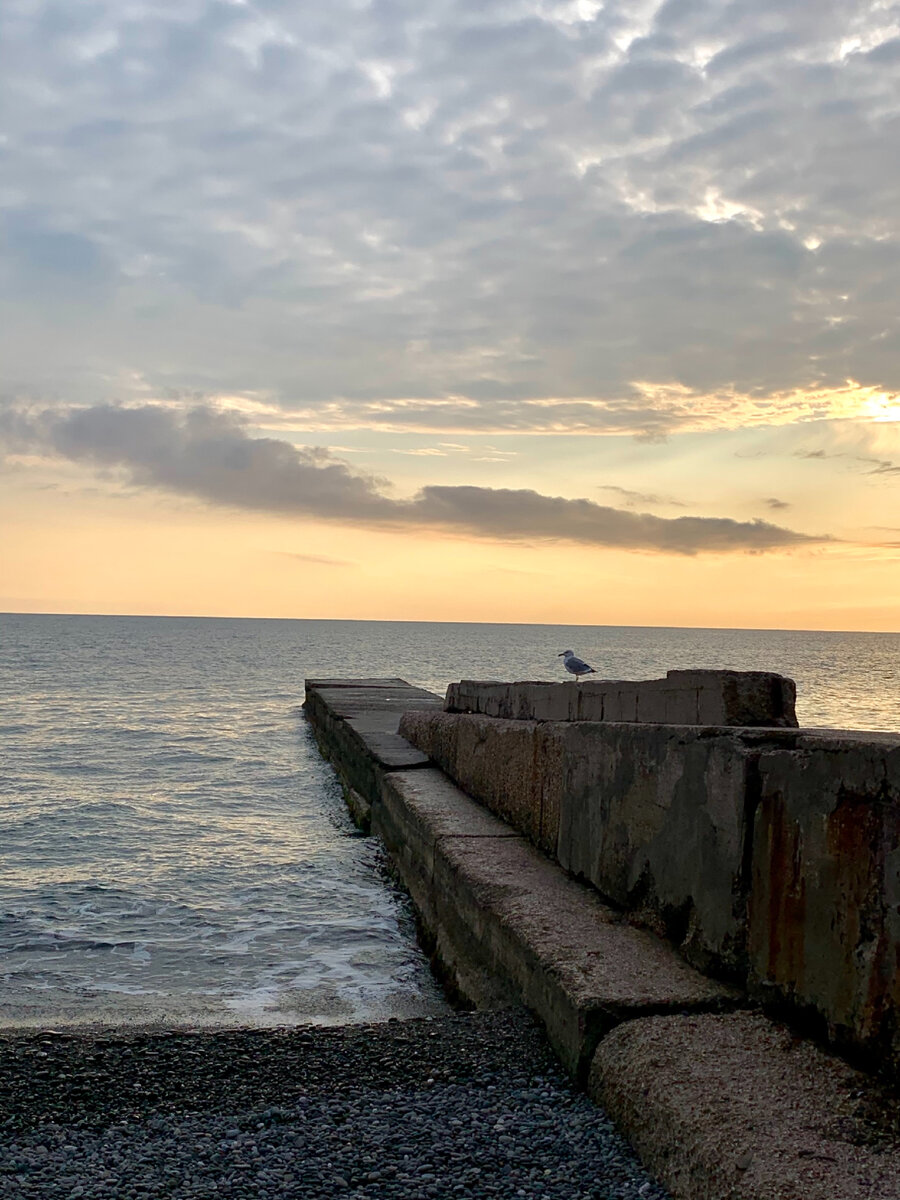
[{"x": 533, "y": 310}]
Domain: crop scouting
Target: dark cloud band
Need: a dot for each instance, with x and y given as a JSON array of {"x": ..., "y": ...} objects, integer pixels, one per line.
[{"x": 210, "y": 455}]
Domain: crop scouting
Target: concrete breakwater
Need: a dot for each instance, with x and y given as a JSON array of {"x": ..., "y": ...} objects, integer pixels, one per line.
[
  {"x": 770, "y": 856},
  {"x": 670, "y": 823}
]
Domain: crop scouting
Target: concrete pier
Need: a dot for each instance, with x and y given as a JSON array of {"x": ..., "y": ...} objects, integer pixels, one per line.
[
  {"x": 668, "y": 1048},
  {"x": 769, "y": 856}
]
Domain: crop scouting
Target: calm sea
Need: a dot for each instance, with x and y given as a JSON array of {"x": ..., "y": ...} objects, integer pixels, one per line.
[{"x": 173, "y": 849}]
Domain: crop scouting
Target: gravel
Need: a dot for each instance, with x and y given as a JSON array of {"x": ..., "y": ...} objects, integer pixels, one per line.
[{"x": 468, "y": 1105}]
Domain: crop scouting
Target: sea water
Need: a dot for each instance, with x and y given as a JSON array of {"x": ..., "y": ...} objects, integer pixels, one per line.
[{"x": 174, "y": 850}]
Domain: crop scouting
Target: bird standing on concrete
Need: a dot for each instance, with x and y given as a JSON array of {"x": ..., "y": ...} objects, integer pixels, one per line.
[{"x": 575, "y": 666}]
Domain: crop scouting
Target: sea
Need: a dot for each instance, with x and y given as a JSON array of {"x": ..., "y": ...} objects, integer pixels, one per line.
[{"x": 173, "y": 849}]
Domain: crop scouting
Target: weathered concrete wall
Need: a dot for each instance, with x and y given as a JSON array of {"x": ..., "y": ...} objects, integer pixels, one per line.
[
  {"x": 655, "y": 817},
  {"x": 825, "y": 892},
  {"x": 771, "y": 857},
  {"x": 734, "y": 698},
  {"x": 515, "y": 768}
]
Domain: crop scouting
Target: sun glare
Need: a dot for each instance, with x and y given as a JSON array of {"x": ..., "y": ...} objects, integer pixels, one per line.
[{"x": 882, "y": 407}]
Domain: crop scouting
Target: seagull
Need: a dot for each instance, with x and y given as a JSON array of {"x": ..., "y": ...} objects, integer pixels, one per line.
[{"x": 575, "y": 666}]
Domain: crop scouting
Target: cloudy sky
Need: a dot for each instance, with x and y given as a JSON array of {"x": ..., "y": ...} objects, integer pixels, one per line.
[{"x": 540, "y": 310}]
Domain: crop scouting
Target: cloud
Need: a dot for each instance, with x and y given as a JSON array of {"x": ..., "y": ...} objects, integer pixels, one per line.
[
  {"x": 633, "y": 498},
  {"x": 553, "y": 217},
  {"x": 316, "y": 559},
  {"x": 647, "y": 411},
  {"x": 884, "y": 466},
  {"x": 775, "y": 503},
  {"x": 525, "y": 514},
  {"x": 211, "y": 456},
  {"x": 864, "y": 462}
]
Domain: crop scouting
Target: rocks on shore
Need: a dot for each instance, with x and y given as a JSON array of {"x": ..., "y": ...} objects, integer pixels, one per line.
[{"x": 463, "y": 1106}]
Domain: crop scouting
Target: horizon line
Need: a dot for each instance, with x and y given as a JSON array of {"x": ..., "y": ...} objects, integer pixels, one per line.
[{"x": 422, "y": 621}]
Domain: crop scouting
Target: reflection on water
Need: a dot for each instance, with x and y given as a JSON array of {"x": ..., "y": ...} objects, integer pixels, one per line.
[{"x": 172, "y": 847}]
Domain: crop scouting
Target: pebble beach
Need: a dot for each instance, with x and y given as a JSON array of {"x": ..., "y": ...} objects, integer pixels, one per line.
[{"x": 472, "y": 1104}]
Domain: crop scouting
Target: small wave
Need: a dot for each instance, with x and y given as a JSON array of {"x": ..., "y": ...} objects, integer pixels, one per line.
[
  {"x": 60, "y": 943},
  {"x": 80, "y": 821},
  {"x": 101, "y": 808},
  {"x": 189, "y": 756}
]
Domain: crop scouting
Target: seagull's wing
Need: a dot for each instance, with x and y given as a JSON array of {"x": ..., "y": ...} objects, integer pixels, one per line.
[{"x": 577, "y": 665}]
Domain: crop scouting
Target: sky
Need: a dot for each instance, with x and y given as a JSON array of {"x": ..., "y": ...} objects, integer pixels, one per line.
[{"x": 561, "y": 311}]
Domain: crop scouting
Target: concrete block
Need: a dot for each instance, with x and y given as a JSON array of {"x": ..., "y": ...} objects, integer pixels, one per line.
[
  {"x": 457, "y": 697},
  {"x": 621, "y": 703},
  {"x": 563, "y": 953},
  {"x": 490, "y": 697},
  {"x": 590, "y": 700},
  {"x": 735, "y": 1106},
  {"x": 760, "y": 698},
  {"x": 628, "y": 700},
  {"x": 414, "y": 817},
  {"x": 415, "y": 808},
  {"x": 660, "y": 702},
  {"x": 655, "y": 817},
  {"x": 543, "y": 701},
  {"x": 316, "y": 684},
  {"x": 825, "y": 889},
  {"x": 357, "y": 727},
  {"x": 499, "y": 761},
  {"x": 432, "y": 733},
  {"x": 499, "y": 703},
  {"x": 522, "y": 700},
  {"x": 495, "y": 761},
  {"x": 561, "y": 703},
  {"x": 651, "y": 705},
  {"x": 682, "y": 705},
  {"x": 710, "y": 705}
]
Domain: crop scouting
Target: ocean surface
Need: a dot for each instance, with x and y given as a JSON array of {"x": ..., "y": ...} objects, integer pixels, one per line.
[{"x": 174, "y": 850}]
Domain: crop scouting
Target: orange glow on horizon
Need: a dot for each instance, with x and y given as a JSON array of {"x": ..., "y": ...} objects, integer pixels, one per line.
[{"x": 182, "y": 562}]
